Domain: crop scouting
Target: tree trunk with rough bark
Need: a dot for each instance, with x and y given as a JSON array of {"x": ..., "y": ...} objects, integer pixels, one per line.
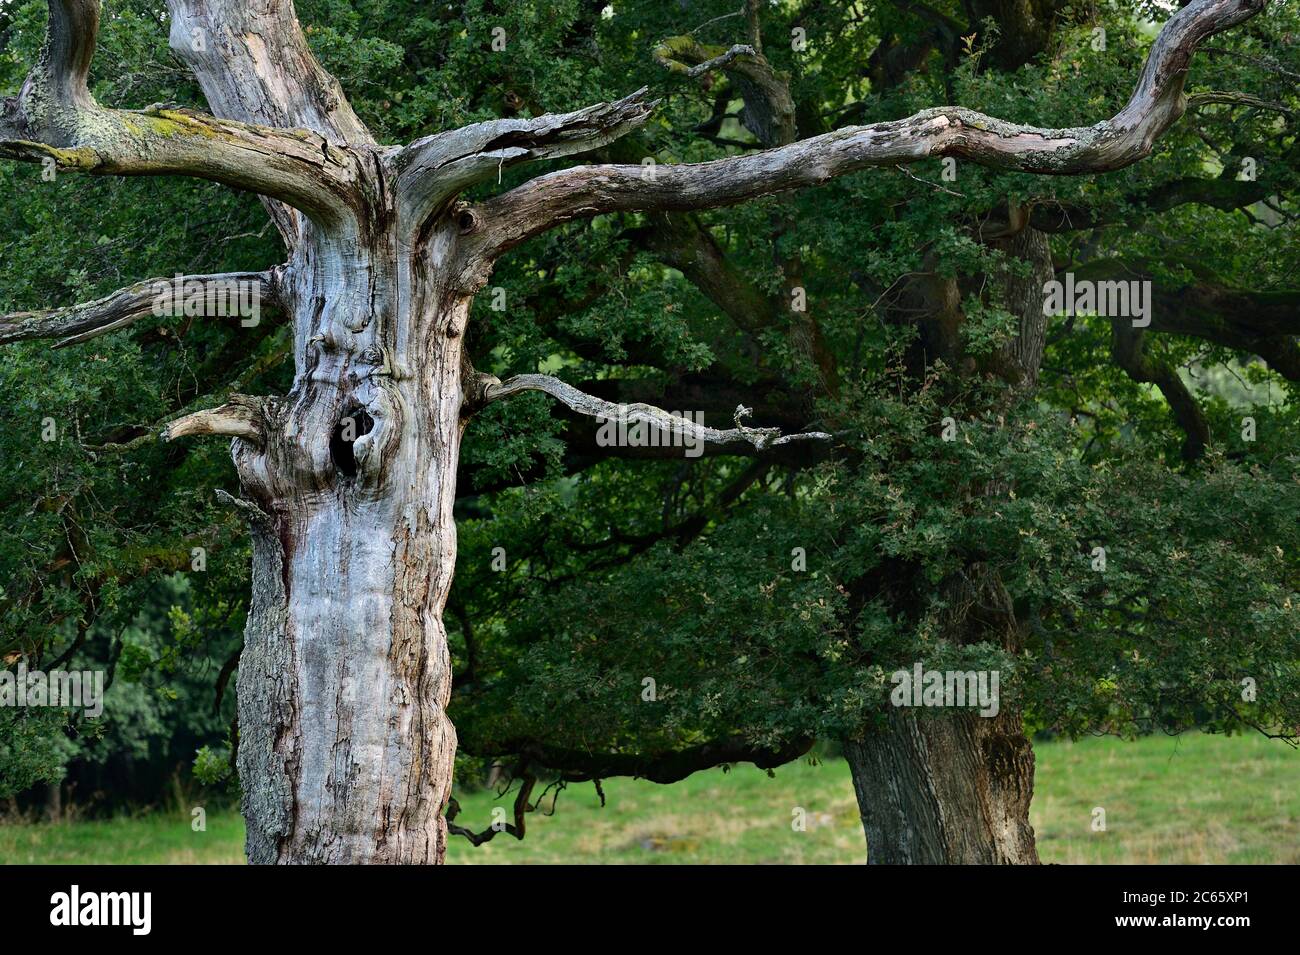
[
  {"x": 345, "y": 750},
  {"x": 950, "y": 789}
]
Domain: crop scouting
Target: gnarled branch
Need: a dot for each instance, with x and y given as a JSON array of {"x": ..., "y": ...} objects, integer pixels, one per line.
[
  {"x": 1265, "y": 323},
  {"x": 678, "y": 429},
  {"x": 55, "y": 118},
  {"x": 87, "y": 320},
  {"x": 253, "y": 64},
  {"x": 1229, "y": 98},
  {"x": 659, "y": 767},
  {"x": 1047, "y": 215},
  {"x": 522, "y": 808},
  {"x": 430, "y": 171},
  {"x": 1128, "y": 346},
  {"x": 1156, "y": 103},
  {"x": 769, "y": 111}
]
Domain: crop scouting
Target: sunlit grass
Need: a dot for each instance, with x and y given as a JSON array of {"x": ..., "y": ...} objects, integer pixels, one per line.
[{"x": 1191, "y": 799}]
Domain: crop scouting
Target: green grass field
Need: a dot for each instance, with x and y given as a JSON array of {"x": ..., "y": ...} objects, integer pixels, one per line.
[{"x": 1192, "y": 799}]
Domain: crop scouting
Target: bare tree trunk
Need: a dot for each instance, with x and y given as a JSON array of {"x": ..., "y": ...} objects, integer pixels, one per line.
[
  {"x": 346, "y": 753},
  {"x": 950, "y": 789}
]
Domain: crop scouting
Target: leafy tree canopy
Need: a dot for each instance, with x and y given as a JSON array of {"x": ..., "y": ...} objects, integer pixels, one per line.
[{"x": 768, "y": 599}]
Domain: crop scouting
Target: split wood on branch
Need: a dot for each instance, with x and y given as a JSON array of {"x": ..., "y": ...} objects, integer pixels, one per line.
[{"x": 54, "y": 117}]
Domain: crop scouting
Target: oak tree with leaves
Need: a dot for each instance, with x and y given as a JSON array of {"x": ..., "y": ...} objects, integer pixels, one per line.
[{"x": 348, "y": 480}]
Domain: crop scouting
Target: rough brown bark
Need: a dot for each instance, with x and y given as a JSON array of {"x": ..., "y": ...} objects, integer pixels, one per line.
[{"x": 945, "y": 790}]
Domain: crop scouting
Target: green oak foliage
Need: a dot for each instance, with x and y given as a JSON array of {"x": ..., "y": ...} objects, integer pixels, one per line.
[{"x": 683, "y": 571}]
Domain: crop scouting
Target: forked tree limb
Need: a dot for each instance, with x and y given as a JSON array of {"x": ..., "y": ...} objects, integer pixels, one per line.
[
  {"x": 55, "y": 118},
  {"x": 769, "y": 111},
  {"x": 252, "y": 61},
  {"x": 677, "y": 428},
  {"x": 1048, "y": 215},
  {"x": 87, "y": 320},
  {"x": 1128, "y": 347},
  {"x": 430, "y": 171},
  {"x": 1157, "y": 102},
  {"x": 1264, "y": 323},
  {"x": 522, "y": 808}
]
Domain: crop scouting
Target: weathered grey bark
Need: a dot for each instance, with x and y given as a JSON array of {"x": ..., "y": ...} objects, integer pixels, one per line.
[
  {"x": 740, "y": 439},
  {"x": 346, "y": 752},
  {"x": 88, "y": 320},
  {"x": 1123, "y": 139}
]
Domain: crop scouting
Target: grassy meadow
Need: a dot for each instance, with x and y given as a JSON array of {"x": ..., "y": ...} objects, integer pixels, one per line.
[{"x": 1190, "y": 799}]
